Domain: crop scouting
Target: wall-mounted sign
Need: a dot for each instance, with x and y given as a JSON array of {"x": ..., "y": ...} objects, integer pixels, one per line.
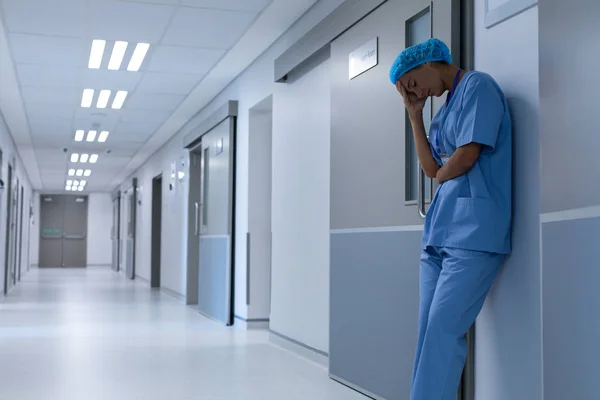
[
  {"x": 364, "y": 58},
  {"x": 219, "y": 146}
]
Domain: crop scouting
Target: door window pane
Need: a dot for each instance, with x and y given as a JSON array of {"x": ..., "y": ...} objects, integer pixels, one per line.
[{"x": 418, "y": 30}]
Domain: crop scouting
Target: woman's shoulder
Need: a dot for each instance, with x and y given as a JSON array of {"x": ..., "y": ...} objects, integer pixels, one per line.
[{"x": 476, "y": 80}]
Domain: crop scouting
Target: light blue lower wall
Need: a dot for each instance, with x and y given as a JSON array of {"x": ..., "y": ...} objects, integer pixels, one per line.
[
  {"x": 571, "y": 309},
  {"x": 374, "y": 302}
]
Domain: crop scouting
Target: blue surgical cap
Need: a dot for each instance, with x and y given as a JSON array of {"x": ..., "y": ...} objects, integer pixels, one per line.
[{"x": 419, "y": 54}]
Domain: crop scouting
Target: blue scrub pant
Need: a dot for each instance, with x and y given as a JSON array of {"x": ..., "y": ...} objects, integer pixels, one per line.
[{"x": 453, "y": 287}]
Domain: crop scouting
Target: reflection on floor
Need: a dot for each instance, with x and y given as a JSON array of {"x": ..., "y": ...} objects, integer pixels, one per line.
[{"x": 93, "y": 335}]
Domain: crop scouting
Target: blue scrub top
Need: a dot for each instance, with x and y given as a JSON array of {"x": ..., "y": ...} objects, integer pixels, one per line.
[{"x": 473, "y": 211}]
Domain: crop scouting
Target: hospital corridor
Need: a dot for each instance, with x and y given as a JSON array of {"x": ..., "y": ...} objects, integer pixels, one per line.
[{"x": 299, "y": 200}]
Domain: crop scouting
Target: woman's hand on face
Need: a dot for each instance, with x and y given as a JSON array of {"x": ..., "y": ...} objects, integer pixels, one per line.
[{"x": 413, "y": 104}]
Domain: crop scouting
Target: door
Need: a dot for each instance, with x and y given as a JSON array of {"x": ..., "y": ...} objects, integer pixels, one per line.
[
  {"x": 130, "y": 243},
  {"x": 115, "y": 233},
  {"x": 377, "y": 201},
  {"x": 9, "y": 226},
  {"x": 216, "y": 223},
  {"x": 15, "y": 232},
  {"x": 20, "y": 251},
  {"x": 156, "y": 232},
  {"x": 51, "y": 231},
  {"x": 75, "y": 231}
]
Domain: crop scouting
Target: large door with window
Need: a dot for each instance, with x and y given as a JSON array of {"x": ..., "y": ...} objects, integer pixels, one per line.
[
  {"x": 215, "y": 222},
  {"x": 378, "y": 201},
  {"x": 63, "y": 231},
  {"x": 115, "y": 237}
]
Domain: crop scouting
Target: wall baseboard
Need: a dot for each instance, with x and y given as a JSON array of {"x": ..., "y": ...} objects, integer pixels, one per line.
[
  {"x": 303, "y": 350},
  {"x": 172, "y": 293},
  {"x": 251, "y": 324},
  {"x": 142, "y": 279}
]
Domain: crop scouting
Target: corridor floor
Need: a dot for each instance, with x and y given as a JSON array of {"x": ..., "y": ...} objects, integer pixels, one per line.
[{"x": 93, "y": 335}]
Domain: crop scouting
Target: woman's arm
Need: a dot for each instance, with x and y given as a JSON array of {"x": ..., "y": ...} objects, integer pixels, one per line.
[
  {"x": 414, "y": 106},
  {"x": 428, "y": 163},
  {"x": 459, "y": 163}
]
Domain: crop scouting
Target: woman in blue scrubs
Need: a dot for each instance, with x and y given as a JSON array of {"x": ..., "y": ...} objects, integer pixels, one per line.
[{"x": 467, "y": 228}]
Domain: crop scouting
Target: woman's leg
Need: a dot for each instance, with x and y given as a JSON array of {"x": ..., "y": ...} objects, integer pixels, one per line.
[
  {"x": 462, "y": 287},
  {"x": 431, "y": 266}
]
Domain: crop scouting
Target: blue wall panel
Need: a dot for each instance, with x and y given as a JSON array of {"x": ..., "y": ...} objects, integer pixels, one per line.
[
  {"x": 374, "y": 310},
  {"x": 571, "y": 304}
]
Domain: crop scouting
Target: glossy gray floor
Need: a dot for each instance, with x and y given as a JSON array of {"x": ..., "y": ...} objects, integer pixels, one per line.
[{"x": 92, "y": 335}]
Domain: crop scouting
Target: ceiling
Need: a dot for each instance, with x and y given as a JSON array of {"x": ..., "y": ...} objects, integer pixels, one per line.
[{"x": 44, "y": 52}]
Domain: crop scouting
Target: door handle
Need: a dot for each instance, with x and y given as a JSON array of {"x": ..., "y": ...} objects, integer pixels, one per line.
[
  {"x": 196, "y": 219},
  {"x": 421, "y": 193}
]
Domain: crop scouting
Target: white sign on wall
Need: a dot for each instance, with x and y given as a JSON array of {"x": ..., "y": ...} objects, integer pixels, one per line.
[{"x": 364, "y": 58}]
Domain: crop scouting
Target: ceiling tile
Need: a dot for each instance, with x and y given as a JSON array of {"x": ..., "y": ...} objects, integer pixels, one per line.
[
  {"x": 240, "y": 5},
  {"x": 55, "y": 18},
  {"x": 112, "y": 80},
  {"x": 40, "y": 111},
  {"x": 50, "y": 127},
  {"x": 155, "y": 116},
  {"x": 51, "y": 77},
  {"x": 150, "y": 101},
  {"x": 154, "y": 82},
  {"x": 167, "y": 2},
  {"x": 48, "y": 50},
  {"x": 67, "y": 96},
  {"x": 207, "y": 28},
  {"x": 138, "y": 132},
  {"x": 129, "y": 21},
  {"x": 184, "y": 60}
]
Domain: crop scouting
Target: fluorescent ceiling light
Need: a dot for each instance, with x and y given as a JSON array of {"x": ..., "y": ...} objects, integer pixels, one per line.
[
  {"x": 103, "y": 136},
  {"x": 71, "y": 172},
  {"x": 84, "y": 158},
  {"x": 87, "y": 98},
  {"x": 87, "y": 172},
  {"x": 74, "y": 157},
  {"x": 93, "y": 158},
  {"x": 117, "y": 55},
  {"x": 119, "y": 99},
  {"x": 138, "y": 57},
  {"x": 68, "y": 188},
  {"x": 79, "y": 136},
  {"x": 96, "y": 54},
  {"x": 75, "y": 183},
  {"x": 82, "y": 183},
  {"x": 79, "y": 172},
  {"x": 103, "y": 98},
  {"x": 80, "y": 188},
  {"x": 91, "y": 136},
  {"x": 69, "y": 183}
]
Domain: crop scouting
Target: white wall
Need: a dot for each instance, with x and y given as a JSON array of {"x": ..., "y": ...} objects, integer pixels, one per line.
[
  {"x": 300, "y": 216},
  {"x": 252, "y": 86},
  {"x": 508, "y": 337},
  {"x": 9, "y": 154},
  {"x": 260, "y": 168},
  {"x": 100, "y": 218}
]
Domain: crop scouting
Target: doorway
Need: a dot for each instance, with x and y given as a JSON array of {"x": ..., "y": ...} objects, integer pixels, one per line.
[
  {"x": 116, "y": 232},
  {"x": 156, "y": 232},
  {"x": 8, "y": 242},
  {"x": 63, "y": 231},
  {"x": 258, "y": 239},
  {"x": 211, "y": 222},
  {"x": 19, "y": 258}
]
